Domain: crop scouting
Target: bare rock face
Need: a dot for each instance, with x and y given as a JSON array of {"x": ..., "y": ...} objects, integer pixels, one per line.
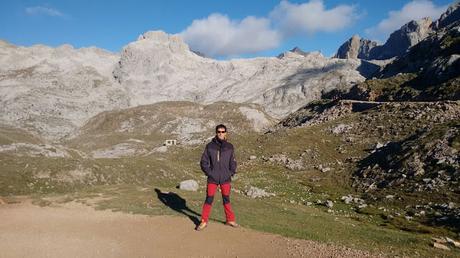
[
  {"x": 401, "y": 40},
  {"x": 54, "y": 91},
  {"x": 160, "y": 67},
  {"x": 435, "y": 60},
  {"x": 356, "y": 47},
  {"x": 397, "y": 44},
  {"x": 450, "y": 16}
]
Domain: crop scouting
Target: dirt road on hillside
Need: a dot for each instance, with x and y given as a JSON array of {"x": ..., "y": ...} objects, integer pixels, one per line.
[{"x": 76, "y": 230}]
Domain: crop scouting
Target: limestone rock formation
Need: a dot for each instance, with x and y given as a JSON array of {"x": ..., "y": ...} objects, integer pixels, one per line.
[
  {"x": 450, "y": 16},
  {"x": 401, "y": 40},
  {"x": 356, "y": 47},
  {"x": 54, "y": 91},
  {"x": 160, "y": 67},
  {"x": 397, "y": 44}
]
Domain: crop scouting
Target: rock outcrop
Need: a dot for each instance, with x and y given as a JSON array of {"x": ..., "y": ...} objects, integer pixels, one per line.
[
  {"x": 356, "y": 48},
  {"x": 397, "y": 44},
  {"x": 450, "y": 16},
  {"x": 401, "y": 40},
  {"x": 427, "y": 71}
]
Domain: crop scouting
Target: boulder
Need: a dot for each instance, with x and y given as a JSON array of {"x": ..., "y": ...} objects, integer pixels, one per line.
[
  {"x": 189, "y": 185},
  {"x": 255, "y": 192}
]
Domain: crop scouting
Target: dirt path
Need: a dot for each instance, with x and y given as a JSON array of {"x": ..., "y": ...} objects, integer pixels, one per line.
[{"x": 76, "y": 230}]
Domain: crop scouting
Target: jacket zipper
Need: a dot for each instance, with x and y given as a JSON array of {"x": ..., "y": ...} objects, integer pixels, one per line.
[{"x": 218, "y": 158}]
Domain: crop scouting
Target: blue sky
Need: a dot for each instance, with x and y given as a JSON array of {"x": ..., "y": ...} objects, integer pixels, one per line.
[{"x": 222, "y": 29}]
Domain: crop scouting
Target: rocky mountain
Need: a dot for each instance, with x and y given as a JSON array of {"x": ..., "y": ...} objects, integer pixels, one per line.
[
  {"x": 161, "y": 67},
  {"x": 429, "y": 70},
  {"x": 435, "y": 57},
  {"x": 295, "y": 50},
  {"x": 53, "y": 91},
  {"x": 356, "y": 48},
  {"x": 451, "y": 15},
  {"x": 406, "y": 121},
  {"x": 401, "y": 40},
  {"x": 397, "y": 44}
]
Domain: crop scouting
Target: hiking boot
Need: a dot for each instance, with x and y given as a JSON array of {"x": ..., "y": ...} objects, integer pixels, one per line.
[
  {"x": 201, "y": 226},
  {"x": 232, "y": 223}
]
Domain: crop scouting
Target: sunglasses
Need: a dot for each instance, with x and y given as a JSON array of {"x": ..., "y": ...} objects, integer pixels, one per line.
[{"x": 221, "y": 131}]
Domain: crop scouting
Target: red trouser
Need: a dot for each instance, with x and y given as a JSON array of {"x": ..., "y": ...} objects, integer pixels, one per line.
[{"x": 210, "y": 191}]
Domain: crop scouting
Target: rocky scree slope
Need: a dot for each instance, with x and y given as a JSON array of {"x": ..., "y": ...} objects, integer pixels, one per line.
[
  {"x": 406, "y": 123},
  {"x": 142, "y": 130}
]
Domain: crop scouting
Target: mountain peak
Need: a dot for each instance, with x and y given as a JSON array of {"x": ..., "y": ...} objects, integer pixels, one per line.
[
  {"x": 4, "y": 43},
  {"x": 416, "y": 25},
  {"x": 397, "y": 44},
  {"x": 157, "y": 35},
  {"x": 451, "y": 15},
  {"x": 401, "y": 40},
  {"x": 299, "y": 51},
  {"x": 296, "y": 51},
  {"x": 356, "y": 47},
  {"x": 161, "y": 37},
  {"x": 159, "y": 41}
]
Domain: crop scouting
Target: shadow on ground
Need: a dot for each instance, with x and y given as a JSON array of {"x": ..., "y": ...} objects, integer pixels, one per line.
[{"x": 178, "y": 204}]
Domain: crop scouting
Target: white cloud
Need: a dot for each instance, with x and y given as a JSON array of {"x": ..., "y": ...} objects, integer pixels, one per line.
[
  {"x": 415, "y": 10},
  {"x": 41, "y": 10},
  {"x": 312, "y": 17},
  {"x": 217, "y": 35}
]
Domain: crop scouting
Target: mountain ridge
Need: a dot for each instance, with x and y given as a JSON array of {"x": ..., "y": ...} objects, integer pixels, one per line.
[
  {"x": 399, "y": 41},
  {"x": 53, "y": 91}
]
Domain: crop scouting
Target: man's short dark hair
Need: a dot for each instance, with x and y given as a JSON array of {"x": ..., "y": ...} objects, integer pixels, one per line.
[{"x": 221, "y": 126}]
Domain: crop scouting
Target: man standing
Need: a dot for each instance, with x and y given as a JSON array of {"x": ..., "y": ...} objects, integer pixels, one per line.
[{"x": 218, "y": 162}]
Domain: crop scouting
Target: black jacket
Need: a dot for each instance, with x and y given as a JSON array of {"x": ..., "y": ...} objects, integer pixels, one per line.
[{"x": 218, "y": 161}]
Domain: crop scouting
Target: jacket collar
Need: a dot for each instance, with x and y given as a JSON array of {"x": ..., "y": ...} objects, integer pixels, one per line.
[{"x": 218, "y": 141}]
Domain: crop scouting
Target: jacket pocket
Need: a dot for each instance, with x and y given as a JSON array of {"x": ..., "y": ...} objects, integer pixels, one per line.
[
  {"x": 227, "y": 174},
  {"x": 212, "y": 174}
]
